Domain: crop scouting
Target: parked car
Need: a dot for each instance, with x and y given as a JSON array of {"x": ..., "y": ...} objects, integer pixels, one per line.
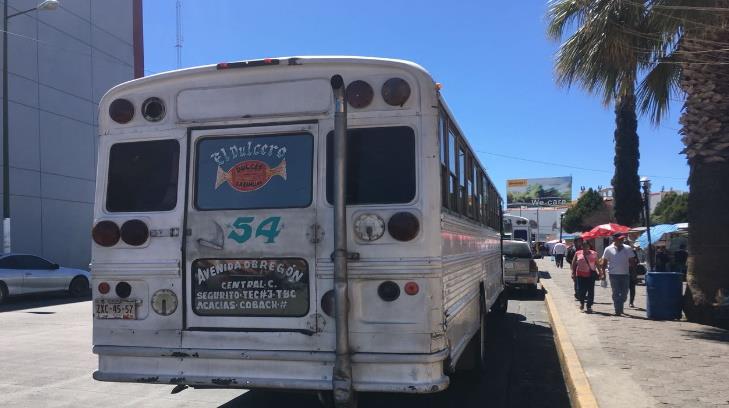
[
  {"x": 23, "y": 274},
  {"x": 520, "y": 270}
]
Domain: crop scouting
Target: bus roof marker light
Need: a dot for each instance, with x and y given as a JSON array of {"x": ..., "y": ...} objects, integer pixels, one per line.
[
  {"x": 359, "y": 94},
  {"x": 396, "y": 91},
  {"x": 121, "y": 111},
  {"x": 153, "y": 109}
]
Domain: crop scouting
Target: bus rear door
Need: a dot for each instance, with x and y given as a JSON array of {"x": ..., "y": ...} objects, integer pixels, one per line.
[{"x": 251, "y": 227}]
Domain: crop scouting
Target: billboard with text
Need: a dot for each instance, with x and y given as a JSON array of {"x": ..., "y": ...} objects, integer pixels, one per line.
[{"x": 539, "y": 192}]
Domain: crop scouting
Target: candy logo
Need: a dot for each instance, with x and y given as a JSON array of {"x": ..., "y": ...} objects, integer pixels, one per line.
[{"x": 249, "y": 175}]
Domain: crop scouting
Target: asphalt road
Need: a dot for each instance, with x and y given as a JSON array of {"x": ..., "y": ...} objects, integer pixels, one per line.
[{"x": 46, "y": 361}]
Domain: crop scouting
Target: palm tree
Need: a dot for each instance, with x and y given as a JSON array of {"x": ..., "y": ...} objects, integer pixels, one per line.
[
  {"x": 689, "y": 42},
  {"x": 605, "y": 59}
]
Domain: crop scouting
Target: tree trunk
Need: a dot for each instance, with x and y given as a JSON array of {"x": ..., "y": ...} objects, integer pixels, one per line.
[
  {"x": 627, "y": 199},
  {"x": 705, "y": 122}
]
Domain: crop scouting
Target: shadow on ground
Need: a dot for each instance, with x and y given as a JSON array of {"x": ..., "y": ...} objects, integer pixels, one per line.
[
  {"x": 709, "y": 333},
  {"x": 523, "y": 371},
  {"x": 34, "y": 301}
]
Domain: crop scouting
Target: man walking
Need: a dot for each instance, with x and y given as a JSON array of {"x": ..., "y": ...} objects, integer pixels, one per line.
[
  {"x": 619, "y": 258},
  {"x": 559, "y": 250}
]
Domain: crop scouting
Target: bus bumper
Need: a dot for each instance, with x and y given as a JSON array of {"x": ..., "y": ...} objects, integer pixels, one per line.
[{"x": 301, "y": 370}]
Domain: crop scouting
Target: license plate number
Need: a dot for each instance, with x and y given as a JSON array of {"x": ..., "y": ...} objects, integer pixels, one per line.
[
  {"x": 509, "y": 265},
  {"x": 115, "y": 309}
]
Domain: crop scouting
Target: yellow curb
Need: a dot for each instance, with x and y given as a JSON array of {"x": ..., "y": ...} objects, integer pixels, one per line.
[{"x": 581, "y": 395}]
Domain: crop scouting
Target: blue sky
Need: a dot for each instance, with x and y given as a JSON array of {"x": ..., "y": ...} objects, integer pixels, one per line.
[{"x": 493, "y": 58}]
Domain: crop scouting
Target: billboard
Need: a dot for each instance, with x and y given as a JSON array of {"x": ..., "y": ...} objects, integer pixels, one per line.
[{"x": 539, "y": 192}]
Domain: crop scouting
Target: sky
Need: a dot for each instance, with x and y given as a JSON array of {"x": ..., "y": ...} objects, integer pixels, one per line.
[{"x": 493, "y": 58}]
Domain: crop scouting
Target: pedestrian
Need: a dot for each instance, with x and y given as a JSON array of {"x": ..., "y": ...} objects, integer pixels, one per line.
[
  {"x": 633, "y": 269},
  {"x": 680, "y": 257},
  {"x": 576, "y": 244},
  {"x": 661, "y": 260},
  {"x": 619, "y": 258},
  {"x": 584, "y": 271},
  {"x": 559, "y": 250}
]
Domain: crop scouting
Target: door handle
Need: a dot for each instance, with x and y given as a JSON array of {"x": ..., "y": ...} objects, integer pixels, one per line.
[{"x": 28, "y": 274}]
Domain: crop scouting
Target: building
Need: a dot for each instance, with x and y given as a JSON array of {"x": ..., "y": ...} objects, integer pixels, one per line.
[{"x": 60, "y": 64}]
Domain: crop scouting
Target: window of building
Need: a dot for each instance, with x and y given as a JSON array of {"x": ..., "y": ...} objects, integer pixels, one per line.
[{"x": 143, "y": 176}]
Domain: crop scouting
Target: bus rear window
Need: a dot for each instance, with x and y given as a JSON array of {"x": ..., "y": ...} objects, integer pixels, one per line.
[
  {"x": 380, "y": 165},
  {"x": 143, "y": 176}
]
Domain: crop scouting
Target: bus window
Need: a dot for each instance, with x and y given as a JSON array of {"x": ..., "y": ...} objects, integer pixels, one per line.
[
  {"x": 380, "y": 165},
  {"x": 444, "y": 174},
  {"x": 452, "y": 185},
  {"x": 143, "y": 176},
  {"x": 461, "y": 180},
  {"x": 247, "y": 172}
]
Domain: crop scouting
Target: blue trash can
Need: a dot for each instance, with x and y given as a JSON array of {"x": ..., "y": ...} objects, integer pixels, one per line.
[{"x": 665, "y": 295}]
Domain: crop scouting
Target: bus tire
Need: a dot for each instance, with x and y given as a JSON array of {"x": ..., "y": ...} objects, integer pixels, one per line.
[
  {"x": 326, "y": 399},
  {"x": 501, "y": 304}
]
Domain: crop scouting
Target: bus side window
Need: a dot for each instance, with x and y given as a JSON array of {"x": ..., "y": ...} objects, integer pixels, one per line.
[
  {"x": 452, "y": 168},
  {"x": 469, "y": 185},
  {"x": 444, "y": 174},
  {"x": 485, "y": 214},
  {"x": 461, "y": 180}
]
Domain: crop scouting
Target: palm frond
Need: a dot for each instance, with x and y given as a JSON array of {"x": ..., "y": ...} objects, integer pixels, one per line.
[{"x": 658, "y": 87}]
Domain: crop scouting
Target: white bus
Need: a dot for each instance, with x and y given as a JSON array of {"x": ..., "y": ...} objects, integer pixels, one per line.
[
  {"x": 214, "y": 261},
  {"x": 518, "y": 228}
]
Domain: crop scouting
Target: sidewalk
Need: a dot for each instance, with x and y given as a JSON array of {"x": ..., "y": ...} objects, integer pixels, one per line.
[{"x": 631, "y": 361}]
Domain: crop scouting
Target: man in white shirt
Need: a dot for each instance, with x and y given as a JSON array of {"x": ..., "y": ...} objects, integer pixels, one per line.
[
  {"x": 558, "y": 251},
  {"x": 619, "y": 258}
]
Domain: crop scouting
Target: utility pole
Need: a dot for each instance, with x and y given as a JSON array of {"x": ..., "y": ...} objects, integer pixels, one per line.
[{"x": 178, "y": 44}]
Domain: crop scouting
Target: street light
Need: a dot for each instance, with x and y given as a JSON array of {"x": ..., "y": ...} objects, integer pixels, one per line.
[
  {"x": 645, "y": 181},
  {"x": 44, "y": 5}
]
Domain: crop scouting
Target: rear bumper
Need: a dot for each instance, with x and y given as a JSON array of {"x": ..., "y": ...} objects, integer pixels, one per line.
[
  {"x": 408, "y": 373},
  {"x": 526, "y": 279}
]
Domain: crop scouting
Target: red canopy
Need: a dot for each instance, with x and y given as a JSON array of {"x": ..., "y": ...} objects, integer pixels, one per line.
[{"x": 604, "y": 230}]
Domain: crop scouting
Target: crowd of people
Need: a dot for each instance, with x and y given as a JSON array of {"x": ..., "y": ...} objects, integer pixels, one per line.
[{"x": 618, "y": 264}]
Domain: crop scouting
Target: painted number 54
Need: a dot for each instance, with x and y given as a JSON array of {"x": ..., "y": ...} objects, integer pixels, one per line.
[{"x": 243, "y": 229}]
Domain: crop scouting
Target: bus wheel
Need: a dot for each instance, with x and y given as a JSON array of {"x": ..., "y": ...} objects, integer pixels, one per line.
[
  {"x": 502, "y": 303},
  {"x": 326, "y": 399}
]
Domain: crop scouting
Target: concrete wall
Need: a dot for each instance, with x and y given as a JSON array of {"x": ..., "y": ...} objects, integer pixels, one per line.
[{"x": 60, "y": 64}]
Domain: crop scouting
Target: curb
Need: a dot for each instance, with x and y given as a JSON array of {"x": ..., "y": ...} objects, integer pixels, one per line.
[{"x": 579, "y": 388}]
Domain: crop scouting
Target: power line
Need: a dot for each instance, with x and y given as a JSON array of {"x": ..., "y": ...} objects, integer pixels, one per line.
[{"x": 563, "y": 165}]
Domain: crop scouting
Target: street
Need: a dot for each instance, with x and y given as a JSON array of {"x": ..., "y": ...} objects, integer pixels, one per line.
[{"x": 47, "y": 362}]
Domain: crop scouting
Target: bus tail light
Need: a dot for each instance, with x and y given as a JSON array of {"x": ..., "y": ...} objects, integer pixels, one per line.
[
  {"x": 104, "y": 288},
  {"x": 327, "y": 303},
  {"x": 359, "y": 94},
  {"x": 134, "y": 232},
  {"x": 412, "y": 288},
  {"x": 106, "y": 233},
  {"x": 388, "y": 291},
  {"x": 395, "y": 91},
  {"x": 121, "y": 111},
  {"x": 123, "y": 290},
  {"x": 403, "y": 226}
]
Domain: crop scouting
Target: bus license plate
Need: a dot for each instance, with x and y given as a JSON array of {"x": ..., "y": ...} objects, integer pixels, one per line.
[
  {"x": 115, "y": 309},
  {"x": 509, "y": 265}
]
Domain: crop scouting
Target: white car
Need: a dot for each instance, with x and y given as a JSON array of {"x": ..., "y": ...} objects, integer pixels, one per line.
[
  {"x": 23, "y": 274},
  {"x": 520, "y": 270}
]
